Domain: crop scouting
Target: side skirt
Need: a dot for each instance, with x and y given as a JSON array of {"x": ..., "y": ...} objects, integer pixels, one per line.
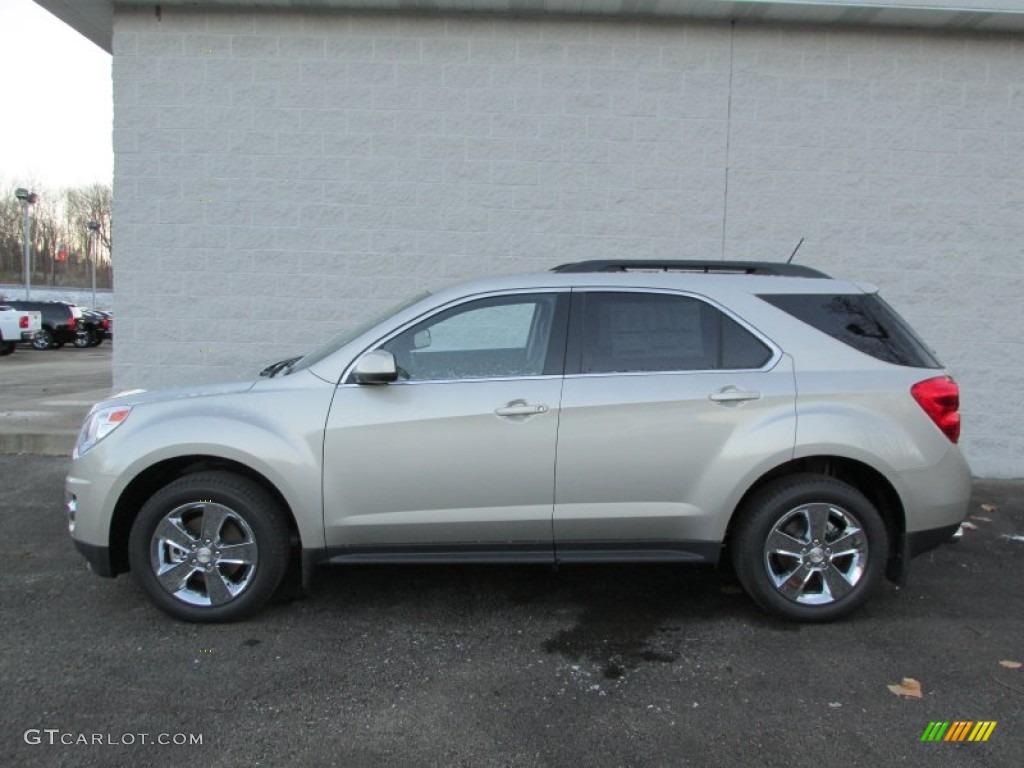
[
  {"x": 518, "y": 554},
  {"x": 638, "y": 552},
  {"x": 443, "y": 554}
]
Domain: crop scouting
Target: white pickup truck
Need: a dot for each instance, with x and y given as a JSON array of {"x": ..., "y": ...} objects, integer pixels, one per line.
[{"x": 17, "y": 325}]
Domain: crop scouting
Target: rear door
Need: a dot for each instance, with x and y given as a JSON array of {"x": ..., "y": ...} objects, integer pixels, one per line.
[{"x": 668, "y": 402}]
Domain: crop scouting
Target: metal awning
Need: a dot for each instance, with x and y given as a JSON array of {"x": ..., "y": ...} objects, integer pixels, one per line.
[{"x": 95, "y": 18}]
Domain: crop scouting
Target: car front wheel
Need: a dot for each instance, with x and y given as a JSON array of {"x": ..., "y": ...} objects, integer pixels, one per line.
[
  {"x": 809, "y": 548},
  {"x": 211, "y": 546}
]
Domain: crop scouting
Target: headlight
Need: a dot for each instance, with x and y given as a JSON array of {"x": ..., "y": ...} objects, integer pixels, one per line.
[{"x": 98, "y": 424}]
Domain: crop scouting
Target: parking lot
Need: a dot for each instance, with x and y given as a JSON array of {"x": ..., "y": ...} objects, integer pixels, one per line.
[
  {"x": 617, "y": 666},
  {"x": 46, "y": 394}
]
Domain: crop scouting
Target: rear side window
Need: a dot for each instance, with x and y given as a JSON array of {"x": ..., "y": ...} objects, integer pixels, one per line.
[
  {"x": 629, "y": 332},
  {"x": 862, "y": 321}
]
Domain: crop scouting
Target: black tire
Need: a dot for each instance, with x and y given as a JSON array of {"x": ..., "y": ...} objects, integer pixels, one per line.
[
  {"x": 43, "y": 339},
  {"x": 204, "y": 585},
  {"x": 82, "y": 340},
  {"x": 7, "y": 348},
  {"x": 817, "y": 582},
  {"x": 95, "y": 340}
]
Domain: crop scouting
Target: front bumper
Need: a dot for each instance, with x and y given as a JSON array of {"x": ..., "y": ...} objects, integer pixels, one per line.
[
  {"x": 97, "y": 557},
  {"x": 88, "y": 507}
]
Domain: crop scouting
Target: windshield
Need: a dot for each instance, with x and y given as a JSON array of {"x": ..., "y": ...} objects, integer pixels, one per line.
[{"x": 344, "y": 338}]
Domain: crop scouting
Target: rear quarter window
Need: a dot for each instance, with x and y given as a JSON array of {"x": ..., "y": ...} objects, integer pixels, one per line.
[{"x": 862, "y": 321}]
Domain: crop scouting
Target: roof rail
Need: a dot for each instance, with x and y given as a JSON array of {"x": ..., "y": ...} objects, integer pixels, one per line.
[{"x": 717, "y": 267}]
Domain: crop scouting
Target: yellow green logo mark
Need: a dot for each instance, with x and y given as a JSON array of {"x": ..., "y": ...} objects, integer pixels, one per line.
[{"x": 959, "y": 730}]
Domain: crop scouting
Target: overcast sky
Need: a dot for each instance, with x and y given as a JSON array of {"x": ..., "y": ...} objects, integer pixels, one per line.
[{"x": 57, "y": 106}]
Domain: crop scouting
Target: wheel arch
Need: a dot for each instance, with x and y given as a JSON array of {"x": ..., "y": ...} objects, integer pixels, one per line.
[
  {"x": 151, "y": 479},
  {"x": 865, "y": 478}
]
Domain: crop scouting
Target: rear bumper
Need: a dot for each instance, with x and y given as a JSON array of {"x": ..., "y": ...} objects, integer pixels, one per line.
[
  {"x": 910, "y": 545},
  {"x": 936, "y": 497},
  {"x": 936, "y": 501},
  {"x": 28, "y": 335},
  {"x": 920, "y": 542}
]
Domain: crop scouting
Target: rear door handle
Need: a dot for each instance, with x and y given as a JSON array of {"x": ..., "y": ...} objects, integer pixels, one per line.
[
  {"x": 733, "y": 395},
  {"x": 520, "y": 409}
]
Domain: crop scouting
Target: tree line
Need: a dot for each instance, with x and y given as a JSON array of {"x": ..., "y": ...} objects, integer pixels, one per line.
[{"x": 59, "y": 236}]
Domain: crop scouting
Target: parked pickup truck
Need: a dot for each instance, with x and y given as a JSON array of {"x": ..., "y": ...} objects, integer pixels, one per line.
[
  {"x": 60, "y": 322},
  {"x": 17, "y": 325}
]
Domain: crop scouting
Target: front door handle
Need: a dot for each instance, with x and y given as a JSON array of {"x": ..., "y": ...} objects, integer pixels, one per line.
[
  {"x": 733, "y": 395},
  {"x": 520, "y": 408}
]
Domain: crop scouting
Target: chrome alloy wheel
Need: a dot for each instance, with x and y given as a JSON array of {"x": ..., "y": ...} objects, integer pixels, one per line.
[
  {"x": 816, "y": 554},
  {"x": 42, "y": 340},
  {"x": 203, "y": 553}
]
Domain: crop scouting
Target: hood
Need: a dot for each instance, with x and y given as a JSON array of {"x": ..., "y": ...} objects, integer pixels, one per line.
[{"x": 141, "y": 396}]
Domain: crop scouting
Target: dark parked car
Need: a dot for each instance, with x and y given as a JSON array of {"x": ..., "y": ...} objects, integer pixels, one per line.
[
  {"x": 60, "y": 322},
  {"x": 110, "y": 322},
  {"x": 94, "y": 326}
]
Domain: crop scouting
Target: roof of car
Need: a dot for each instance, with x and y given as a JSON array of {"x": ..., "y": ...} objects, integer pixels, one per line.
[
  {"x": 727, "y": 280},
  {"x": 693, "y": 266}
]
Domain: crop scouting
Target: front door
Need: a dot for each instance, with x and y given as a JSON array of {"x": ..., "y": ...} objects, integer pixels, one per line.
[{"x": 456, "y": 460}]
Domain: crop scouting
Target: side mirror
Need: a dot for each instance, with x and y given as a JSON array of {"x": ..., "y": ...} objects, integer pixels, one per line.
[{"x": 376, "y": 367}]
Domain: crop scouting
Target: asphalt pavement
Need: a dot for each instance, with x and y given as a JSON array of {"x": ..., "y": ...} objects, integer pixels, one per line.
[
  {"x": 45, "y": 395},
  {"x": 504, "y": 666}
]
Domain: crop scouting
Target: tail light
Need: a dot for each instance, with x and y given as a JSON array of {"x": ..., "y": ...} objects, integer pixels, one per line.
[
  {"x": 940, "y": 399},
  {"x": 23, "y": 322},
  {"x": 105, "y": 322}
]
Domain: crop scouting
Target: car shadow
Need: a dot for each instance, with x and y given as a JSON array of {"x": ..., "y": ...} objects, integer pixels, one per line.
[{"x": 619, "y": 616}]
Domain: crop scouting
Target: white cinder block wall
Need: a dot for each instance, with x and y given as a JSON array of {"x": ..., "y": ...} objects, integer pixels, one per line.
[{"x": 279, "y": 175}]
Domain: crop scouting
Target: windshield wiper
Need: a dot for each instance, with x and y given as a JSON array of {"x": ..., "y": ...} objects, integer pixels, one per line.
[{"x": 275, "y": 368}]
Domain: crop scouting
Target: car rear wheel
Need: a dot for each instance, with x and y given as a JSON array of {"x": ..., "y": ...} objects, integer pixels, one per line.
[
  {"x": 809, "y": 548},
  {"x": 211, "y": 546},
  {"x": 82, "y": 340},
  {"x": 43, "y": 339}
]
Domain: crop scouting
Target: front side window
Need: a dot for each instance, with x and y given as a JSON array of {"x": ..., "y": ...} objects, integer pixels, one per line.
[
  {"x": 497, "y": 337},
  {"x": 345, "y": 337},
  {"x": 632, "y": 332}
]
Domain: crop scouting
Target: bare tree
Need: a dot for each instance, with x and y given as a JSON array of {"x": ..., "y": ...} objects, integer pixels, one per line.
[
  {"x": 59, "y": 222},
  {"x": 10, "y": 234},
  {"x": 92, "y": 203}
]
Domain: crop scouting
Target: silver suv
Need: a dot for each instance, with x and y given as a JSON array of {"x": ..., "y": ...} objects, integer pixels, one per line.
[{"x": 762, "y": 414}]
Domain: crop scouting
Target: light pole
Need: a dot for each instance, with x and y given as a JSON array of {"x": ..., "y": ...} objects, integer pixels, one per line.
[
  {"x": 93, "y": 227},
  {"x": 27, "y": 198}
]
